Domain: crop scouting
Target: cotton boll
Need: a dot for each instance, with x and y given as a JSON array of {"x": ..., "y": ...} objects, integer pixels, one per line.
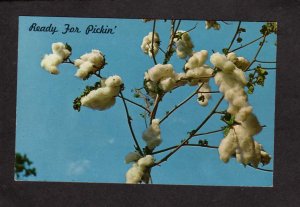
[
  {"x": 256, "y": 159},
  {"x": 232, "y": 109},
  {"x": 146, "y": 45},
  {"x": 232, "y": 57},
  {"x": 205, "y": 88},
  {"x": 265, "y": 157},
  {"x": 98, "y": 99},
  {"x": 160, "y": 71},
  {"x": 84, "y": 69},
  {"x": 134, "y": 174},
  {"x": 240, "y": 77},
  {"x": 132, "y": 157},
  {"x": 247, "y": 151},
  {"x": 97, "y": 58},
  {"x": 218, "y": 60},
  {"x": 243, "y": 113},
  {"x": 252, "y": 125},
  {"x": 89, "y": 63},
  {"x": 242, "y": 63},
  {"x": 184, "y": 45},
  {"x": 113, "y": 81},
  {"x": 240, "y": 101},
  {"x": 166, "y": 84},
  {"x": 228, "y": 67},
  {"x": 228, "y": 146},
  {"x": 152, "y": 134},
  {"x": 151, "y": 144},
  {"x": 50, "y": 63},
  {"x": 146, "y": 161},
  {"x": 197, "y": 60},
  {"x": 219, "y": 78},
  {"x": 59, "y": 48}
]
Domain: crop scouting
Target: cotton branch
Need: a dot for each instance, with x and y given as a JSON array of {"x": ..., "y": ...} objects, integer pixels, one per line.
[
  {"x": 139, "y": 105},
  {"x": 235, "y": 35},
  {"x": 179, "y": 105},
  {"x": 155, "y": 107},
  {"x": 257, "y": 53},
  {"x": 152, "y": 49},
  {"x": 249, "y": 43},
  {"x": 191, "y": 135},
  {"x": 129, "y": 119}
]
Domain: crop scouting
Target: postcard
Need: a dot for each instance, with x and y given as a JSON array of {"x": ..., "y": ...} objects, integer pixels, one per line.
[{"x": 146, "y": 101}]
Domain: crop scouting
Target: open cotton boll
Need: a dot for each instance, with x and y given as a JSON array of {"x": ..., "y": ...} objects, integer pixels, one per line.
[
  {"x": 228, "y": 67},
  {"x": 184, "y": 44},
  {"x": 84, "y": 69},
  {"x": 134, "y": 174},
  {"x": 242, "y": 63},
  {"x": 218, "y": 60},
  {"x": 50, "y": 63},
  {"x": 89, "y": 63},
  {"x": 252, "y": 125},
  {"x": 205, "y": 88},
  {"x": 160, "y": 71},
  {"x": 152, "y": 135},
  {"x": 60, "y": 49},
  {"x": 99, "y": 99},
  {"x": 113, "y": 81},
  {"x": 146, "y": 161},
  {"x": 232, "y": 57},
  {"x": 246, "y": 149},
  {"x": 243, "y": 113},
  {"x": 197, "y": 60},
  {"x": 240, "y": 77},
  {"x": 228, "y": 146},
  {"x": 166, "y": 84},
  {"x": 132, "y": 157},
  {"x": 146, "y": 45}
]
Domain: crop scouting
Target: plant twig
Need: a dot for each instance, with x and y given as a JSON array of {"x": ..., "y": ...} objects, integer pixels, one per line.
[
  {"x": 152, "y": 49},
  {"x": 179, "y": 105},
  {"x": 249, "y": 43},
  {"x": 257, "y": 53},
  {"x": 129, "y": 124},
  {"x": 156, "y": 103},
  {"x": 139, "y": 105},
  {"x": 211, "y": 132},
  {"x": 185, "y": 145}
]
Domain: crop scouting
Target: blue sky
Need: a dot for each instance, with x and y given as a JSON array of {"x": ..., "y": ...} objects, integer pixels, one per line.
[{"x": 89, "y": 146}]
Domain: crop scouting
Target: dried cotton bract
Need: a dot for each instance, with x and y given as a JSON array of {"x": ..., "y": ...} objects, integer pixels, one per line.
[
  {"x": 147, "y": 44},
  {"x": 184, "y": 44},
  {"x": 103, "y": 97},
  {"x": 59, "y": 54},
  {"x": 89, "y": 63},
  {"x": 212, "y": 24},
  {"x": 140, "y": 170},
  {"x": 152, "y": 135}
]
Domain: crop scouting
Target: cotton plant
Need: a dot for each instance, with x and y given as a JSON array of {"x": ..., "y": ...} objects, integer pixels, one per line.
[{"x": 230, "y": 73}]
